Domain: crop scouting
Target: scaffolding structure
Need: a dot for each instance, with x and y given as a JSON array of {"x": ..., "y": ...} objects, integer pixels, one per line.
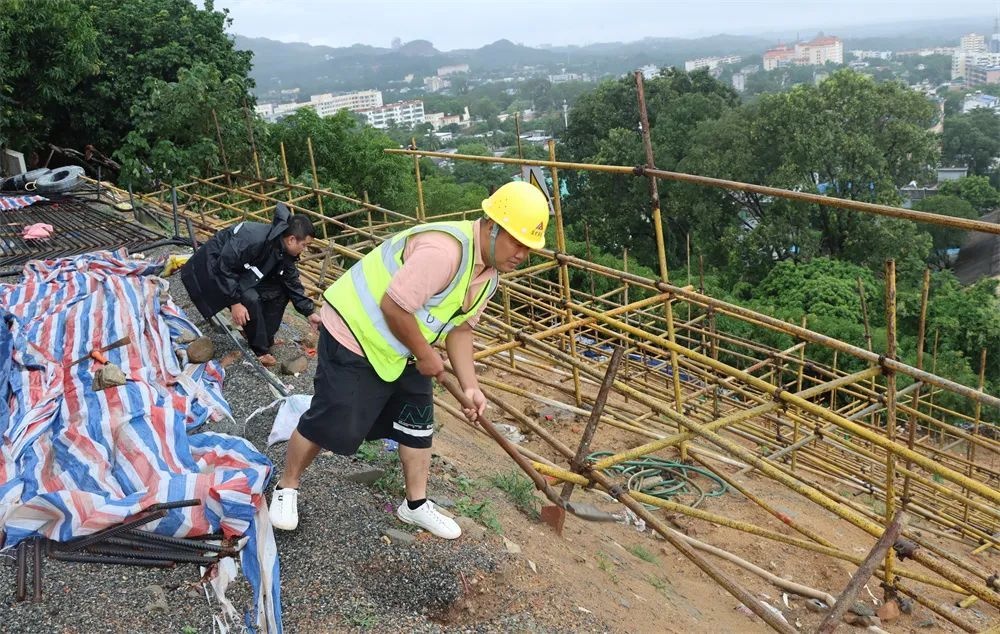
[{"x": 691, "y": 390}]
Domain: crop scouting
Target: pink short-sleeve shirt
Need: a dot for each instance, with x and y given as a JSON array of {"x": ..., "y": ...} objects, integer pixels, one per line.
[{"x": 430, "y": 261}]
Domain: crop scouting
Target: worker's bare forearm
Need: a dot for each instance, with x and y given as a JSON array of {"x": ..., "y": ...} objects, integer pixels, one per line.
[
  {"x": 403, "y": 326},
  {"x": 459, "y": 345}
]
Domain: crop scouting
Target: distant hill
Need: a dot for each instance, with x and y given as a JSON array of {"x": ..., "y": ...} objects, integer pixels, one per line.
[{"x": 316, "y": 69}]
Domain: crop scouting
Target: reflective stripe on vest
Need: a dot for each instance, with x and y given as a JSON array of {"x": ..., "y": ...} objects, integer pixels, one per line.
[{"x": 357, "y": 297}]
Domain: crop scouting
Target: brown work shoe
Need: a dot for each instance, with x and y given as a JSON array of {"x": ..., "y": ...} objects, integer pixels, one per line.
[{"x": 267, "y": 360}]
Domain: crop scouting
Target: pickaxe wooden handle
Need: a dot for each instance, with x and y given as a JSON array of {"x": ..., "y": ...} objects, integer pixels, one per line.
[
  {"x": 540, "y": 483},
  {"x": 98, "y": 353}
]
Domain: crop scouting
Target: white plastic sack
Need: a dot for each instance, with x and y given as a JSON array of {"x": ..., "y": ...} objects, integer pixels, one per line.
[{"x": 291, "y": 410}]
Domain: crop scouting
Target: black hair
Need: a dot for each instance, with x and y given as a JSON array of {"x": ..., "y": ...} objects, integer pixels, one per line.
[{"x": 300, "y": 227}]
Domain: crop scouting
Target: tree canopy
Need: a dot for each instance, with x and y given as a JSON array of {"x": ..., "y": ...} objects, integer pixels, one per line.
[
  {"x": 972, "y": 139},
  {"x": 74, "y": 70}
]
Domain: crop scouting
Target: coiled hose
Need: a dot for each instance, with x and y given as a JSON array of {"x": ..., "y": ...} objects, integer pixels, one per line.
[{"x": 665, "y": 479}]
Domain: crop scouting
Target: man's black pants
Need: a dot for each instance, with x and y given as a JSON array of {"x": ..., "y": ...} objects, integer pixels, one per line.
[{"x": 265, "y": 319}]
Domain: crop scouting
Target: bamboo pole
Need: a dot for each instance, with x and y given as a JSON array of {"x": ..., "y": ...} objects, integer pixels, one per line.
[
  {"x": 890, "y": 424},
  {"x": 654, "y": 201},
  {"x": 319, "y": 199},
  {"x": 564, "y": 268},
  {"x": 421, "y": 212},
  {"x": 816, "y": 199}
]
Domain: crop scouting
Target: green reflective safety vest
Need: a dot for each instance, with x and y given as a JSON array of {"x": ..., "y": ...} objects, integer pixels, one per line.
[{"x": 357, "y": 295}]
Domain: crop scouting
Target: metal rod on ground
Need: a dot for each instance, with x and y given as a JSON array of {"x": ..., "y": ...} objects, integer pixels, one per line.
[
  {"x": 173, "y": 207},
  {"x": 22, "y": 572},
  {"x": 36, "y": 577},
  {"x": 190, "y": 229},
  {"x": 864, "y": 572},
  {"x": 595, "y": 416},
  {"x": 112, "y": 531}
]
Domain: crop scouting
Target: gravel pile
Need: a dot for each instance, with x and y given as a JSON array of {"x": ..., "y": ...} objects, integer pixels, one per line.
[{"x": 338, "y": 571}]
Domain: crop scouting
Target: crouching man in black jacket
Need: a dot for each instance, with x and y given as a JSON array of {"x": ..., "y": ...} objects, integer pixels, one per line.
[{"x": 250, "y": 268}]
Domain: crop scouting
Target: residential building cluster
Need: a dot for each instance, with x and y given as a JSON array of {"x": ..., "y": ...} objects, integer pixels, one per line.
[
  {"x": 325, "y": 105},
  {"x": 815, "y": 52},
  {"x": 862, "y": 54},
  {"x": 367, "y": 103},
  {"x": 405, "y": 114},
  {"x": 976, "y": 61},
  {"x": 711, "y": 63}
]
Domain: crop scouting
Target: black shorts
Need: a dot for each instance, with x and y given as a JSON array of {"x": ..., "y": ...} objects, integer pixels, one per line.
[{"x": 351, "y": 403}]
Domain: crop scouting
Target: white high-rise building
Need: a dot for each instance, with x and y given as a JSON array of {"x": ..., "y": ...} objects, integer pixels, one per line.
[
  {"x": 405, "y": 114},
  {"x": 325, "y": 105},
  {"x": 711, "y": 63},
  {"x": 972, "y": 43}
]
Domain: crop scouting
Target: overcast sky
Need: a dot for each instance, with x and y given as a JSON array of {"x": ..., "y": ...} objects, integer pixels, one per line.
[{"x": 451, "y": 24}]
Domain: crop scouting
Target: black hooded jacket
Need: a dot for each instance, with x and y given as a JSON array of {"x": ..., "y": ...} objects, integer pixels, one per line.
[{"x": 245, "y": 263}]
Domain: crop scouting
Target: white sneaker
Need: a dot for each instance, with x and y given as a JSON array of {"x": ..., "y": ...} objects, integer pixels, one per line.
[
  {"x": 284, "y": 509},
  {"x": 427, "y": 517}
]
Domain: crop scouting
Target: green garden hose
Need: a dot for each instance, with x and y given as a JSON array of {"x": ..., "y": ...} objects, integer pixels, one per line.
[{"x": 665, "y": 479}]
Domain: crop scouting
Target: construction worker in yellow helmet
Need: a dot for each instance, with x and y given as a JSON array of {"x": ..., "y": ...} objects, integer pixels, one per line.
[{"x": 381, "y": 319}]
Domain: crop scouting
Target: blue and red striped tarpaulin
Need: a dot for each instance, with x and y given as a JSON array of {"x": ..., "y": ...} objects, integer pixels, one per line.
[{"x": 74, "y": 461}]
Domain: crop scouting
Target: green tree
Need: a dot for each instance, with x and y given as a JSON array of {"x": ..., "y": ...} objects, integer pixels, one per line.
[
  {"x": 488, "y": 175},
  {"x": 485, "y": 109},
  {"x": 47, "y": 50},
  {"x": 974, "y": 189},
  {"x": 972, "y": 139},
  {"x": 604, "y": 128},
  {"x": 74, "y": 71},
  {"x": 945, "y": 237},
  {"x": 849, "y": 137},
  {"x": 350, "y": 157},
  {"x": 174, "y": 135},
  {"x": 442, "y": 195}
]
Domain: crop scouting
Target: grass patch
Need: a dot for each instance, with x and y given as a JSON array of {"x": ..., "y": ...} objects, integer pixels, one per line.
[
  {"x": 657, "y": 583},
  {"x": 643, "y": 554},
  {"x": 374, "y": 453},
  {"x": 364, "y": 619},
  {"x": 605, "y": 565},
  {"x": 466, "y": 484},
  {"x": 482, "y": 512},
  {"x": 520, "y": 490}
]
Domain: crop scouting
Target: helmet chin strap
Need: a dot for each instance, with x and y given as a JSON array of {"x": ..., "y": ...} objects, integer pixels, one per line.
[{"x": 494, "y": 232}]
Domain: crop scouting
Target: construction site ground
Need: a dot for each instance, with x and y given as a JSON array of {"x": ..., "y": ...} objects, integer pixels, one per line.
[{"x": 340, "y": 572}]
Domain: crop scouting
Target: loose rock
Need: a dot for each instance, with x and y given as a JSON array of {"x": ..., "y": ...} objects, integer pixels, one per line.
[
  {"x": 926, "y": 623},
  {"x": 367, "y": 476},
  {"x": 398, "y": 537},
  {"x": 159, "y": 602},
  {"x": 889, "y": 612},
  {"x": 511, "y": 547},
  {"x": 200, "y": 350},
  {"x": 443, "y": 502},
  {"x": 108, "y": 376},
  {"x": 470, "y": 528},
  {"x": 296, "y": 366},
  {"x": 861, "y": 609},
  {"x": 310, "y": 338}
]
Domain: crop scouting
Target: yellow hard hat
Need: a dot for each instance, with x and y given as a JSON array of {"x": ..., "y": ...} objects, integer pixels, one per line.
[{"x": 522, "y": 210}]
